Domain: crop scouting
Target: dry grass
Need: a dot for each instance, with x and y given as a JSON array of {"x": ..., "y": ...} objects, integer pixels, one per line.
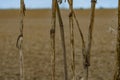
[{"x": 37, "y": 45}]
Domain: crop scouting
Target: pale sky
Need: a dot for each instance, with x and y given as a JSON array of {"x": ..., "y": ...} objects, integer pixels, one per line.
[{"x": 33, "y": 4}]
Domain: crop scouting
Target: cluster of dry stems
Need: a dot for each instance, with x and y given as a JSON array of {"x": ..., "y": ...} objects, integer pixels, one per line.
[
  {"x": 85, "y": 47},
  {"x": 56, "y": 10}
]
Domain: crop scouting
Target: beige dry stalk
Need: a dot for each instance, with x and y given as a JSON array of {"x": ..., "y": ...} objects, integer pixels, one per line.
[
  {"x": 52, "y": 37},
  {"x": 72, "y": 36},
  {"x": 20, "y": 39},
  {"x": 117, "y": 73},
  {"x": 63, "y": 41},
  {"x": 90, "y": 32}
]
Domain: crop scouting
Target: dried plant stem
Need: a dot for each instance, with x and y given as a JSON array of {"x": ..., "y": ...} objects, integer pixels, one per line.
[
  {"x": 20, "y": 39},
  {"x": 88, "y": 48},
  {"x": 117, "y": 73},
  {"x": 72, "y": 36},
  {"x": 93, "y": 2},
  {"x": 52, "y": 36},
  {"x": 63, "y": 40},
  {"x": 82, "y": 37},
  {"x": 81, "y": 34}
]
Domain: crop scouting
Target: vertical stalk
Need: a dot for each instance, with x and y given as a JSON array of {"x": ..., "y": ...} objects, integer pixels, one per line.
[
  {"x": 72, "y": 36},
  {"x": 90, "y": 32},
  {"x": 52, "y": 37},
  {"x": 88, "y": 49},
  {"x": 22, "y": 13},
  {"x": 63, "y": 41},
  {"x": 20, "y": 39},
  {"x": 117, "y": 73}
]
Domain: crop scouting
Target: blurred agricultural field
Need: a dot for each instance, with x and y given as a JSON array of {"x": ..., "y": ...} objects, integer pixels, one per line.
[{"x": 37, "y": 48}]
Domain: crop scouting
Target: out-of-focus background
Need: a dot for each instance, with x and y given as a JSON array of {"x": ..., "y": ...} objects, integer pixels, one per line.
[{"x": 37, "y": 47}]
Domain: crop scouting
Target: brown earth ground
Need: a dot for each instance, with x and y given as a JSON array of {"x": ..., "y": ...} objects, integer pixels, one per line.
[{"x": 37, "y": 51}]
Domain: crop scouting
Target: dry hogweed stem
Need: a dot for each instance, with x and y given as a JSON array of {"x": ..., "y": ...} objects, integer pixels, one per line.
[{"x": 20, "y": 39}]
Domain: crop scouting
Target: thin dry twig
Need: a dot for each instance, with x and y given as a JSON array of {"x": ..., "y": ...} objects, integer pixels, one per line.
[
  {"x": 52, "y": 36},
  {"x": 117, "y": 73},
  {"x": 63, "y": 41},
  {"x": 90, "y": 32},
  {"x": 72, "y": 36},
  {"x": 20, "y": 39},
  {"x": 88, "y": 48}
]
